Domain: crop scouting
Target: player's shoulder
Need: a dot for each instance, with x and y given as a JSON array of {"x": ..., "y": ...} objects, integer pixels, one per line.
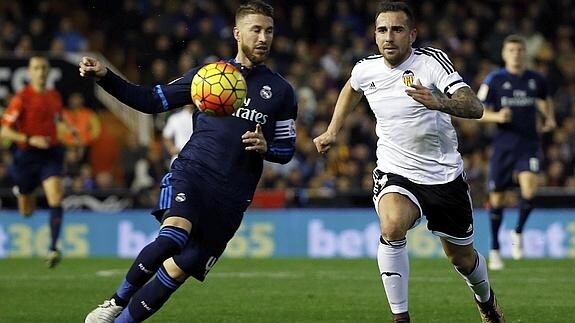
[
  {"x": 496, "y": 76},
  {"x": 534, "y": 74},
  {"x": 368, "y": 60},
  {"x": 435, "y": 56}
]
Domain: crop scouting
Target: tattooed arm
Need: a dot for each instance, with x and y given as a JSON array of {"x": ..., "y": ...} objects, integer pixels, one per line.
[{"x": 463, "y": 103}]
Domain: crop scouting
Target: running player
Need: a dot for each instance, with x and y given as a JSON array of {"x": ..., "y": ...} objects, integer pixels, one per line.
[
  {"x": 419, "y": 170},
  {"x": 212, "y": 182},
  {"x": 514, "y": 97},
  {"x": 31, "y": 121}
]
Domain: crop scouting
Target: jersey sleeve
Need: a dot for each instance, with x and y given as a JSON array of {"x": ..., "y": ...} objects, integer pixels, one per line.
[
  {"x": 444, "y": 76},
  {"x": 13, "y": 111},
  {"x": 282, "y": 146},
  {"x": 146, "y": 99},
  {"x": 354, "y": 79},
  {"x": 486, "y": 94},
  {"x": 543, "y": 87}
]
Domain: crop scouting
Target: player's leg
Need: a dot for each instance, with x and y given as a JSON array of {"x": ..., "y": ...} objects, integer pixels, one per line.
[
  {"x": 471, "y": 265},
  {"x": 54, "y": 190},
  {"x": 501, "y": 165},
  {"x": 26, "y": 204},
  {"x": 200, "y": 254},
  {"x": 195, "y": 260},
  {"x": 171, "y": 239},
  {"x": 528, "y": 186},
  {"x": 496, "y": 200},
  {"x": 398, "y": 212}
]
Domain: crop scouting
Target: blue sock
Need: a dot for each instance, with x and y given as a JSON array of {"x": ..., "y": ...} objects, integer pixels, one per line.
[
  {"x": 55, "y": 225},
  {"x": 150, "y": 298},
  {"x": 169, "y": 242},
  {"x": 525, "y": 208},
  {"x": 496, "y": 217}
]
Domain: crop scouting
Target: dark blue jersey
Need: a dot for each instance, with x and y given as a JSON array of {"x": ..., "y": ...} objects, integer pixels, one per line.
[
  {"x": 215, "y": 150},
  {"x": 519, "y": 93}
]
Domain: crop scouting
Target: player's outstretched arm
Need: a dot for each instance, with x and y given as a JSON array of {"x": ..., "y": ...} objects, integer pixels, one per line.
[
  {"x": 142, "y": 98},
  {"x": 347, "y": 100}
]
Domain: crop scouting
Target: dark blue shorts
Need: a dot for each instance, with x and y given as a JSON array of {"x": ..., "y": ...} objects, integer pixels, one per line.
[
  {"x": 32, "y": 166},
  {"x": 215, "y": 219},
  {"x": 505, "y": 164}
]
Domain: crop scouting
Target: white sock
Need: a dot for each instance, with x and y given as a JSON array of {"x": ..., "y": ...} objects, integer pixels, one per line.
[
  {"x": 394, "y": 271},
  {"x": 477, "y": 280}
]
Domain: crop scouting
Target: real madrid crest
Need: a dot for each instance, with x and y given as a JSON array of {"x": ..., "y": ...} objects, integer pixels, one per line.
[
  {"x": 266, "y": 92},
  {"x": 408, "y": 78}
]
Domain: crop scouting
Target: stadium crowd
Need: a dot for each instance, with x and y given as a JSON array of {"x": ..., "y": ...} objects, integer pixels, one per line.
[{"x": 315, "y": 46}]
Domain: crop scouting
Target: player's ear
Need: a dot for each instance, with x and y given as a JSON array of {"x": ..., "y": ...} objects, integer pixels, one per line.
[
  {"x": 412, "y": 35},
  {"x": 236, "y": 33}
]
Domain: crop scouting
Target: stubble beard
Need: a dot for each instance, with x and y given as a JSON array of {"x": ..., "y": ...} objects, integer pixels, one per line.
[{"x": 255, "y": 59}]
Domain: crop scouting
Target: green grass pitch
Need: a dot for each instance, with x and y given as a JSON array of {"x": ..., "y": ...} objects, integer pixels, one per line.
[{"x": 289, "y": 290}]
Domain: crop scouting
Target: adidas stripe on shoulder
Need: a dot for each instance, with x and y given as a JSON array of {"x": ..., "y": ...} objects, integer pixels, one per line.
[
  {"x": 370, "y": 57},
  {"x": 438, "y": 55}
]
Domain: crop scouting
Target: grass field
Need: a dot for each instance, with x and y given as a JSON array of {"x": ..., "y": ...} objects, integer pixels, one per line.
[{"x": 289, "y": 290}]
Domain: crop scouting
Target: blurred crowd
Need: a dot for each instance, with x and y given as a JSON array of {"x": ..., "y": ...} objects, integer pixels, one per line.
[{"x": 316, "y": 45}]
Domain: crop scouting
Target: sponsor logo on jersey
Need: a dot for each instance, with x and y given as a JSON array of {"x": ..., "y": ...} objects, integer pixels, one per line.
[
  {"x": 408, "y": 78},
  {"x": 251, "y": 114},
  {"x": 266, "y": 92},
  {"x": 372, "y": 86}
]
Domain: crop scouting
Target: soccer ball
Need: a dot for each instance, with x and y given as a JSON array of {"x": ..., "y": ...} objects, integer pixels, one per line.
[{"x": 220, "y": 88}]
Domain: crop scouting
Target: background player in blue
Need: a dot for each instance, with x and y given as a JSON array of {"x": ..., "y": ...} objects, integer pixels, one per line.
[
  {"x": 514, "y": 97},
  {"x": 212, "y": 182}
]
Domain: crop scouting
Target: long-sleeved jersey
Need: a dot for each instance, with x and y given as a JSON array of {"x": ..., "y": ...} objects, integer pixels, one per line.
[{"x": 215, "y": 150}]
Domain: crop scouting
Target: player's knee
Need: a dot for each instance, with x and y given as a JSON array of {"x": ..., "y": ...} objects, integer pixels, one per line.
[
  {"x": 391, "y": 231},
  {"x": 171, "y": 240},
  {"x": 174, "y": 270}
]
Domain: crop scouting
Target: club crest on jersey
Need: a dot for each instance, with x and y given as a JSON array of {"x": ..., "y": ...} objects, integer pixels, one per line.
[
  {"x": 180, "y": 197},
  {"x": 408, "y": 78},
  {"x": 266, "y": 92}
]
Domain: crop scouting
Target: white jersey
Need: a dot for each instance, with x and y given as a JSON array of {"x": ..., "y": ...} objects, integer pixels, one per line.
[
  {"x": 415, "y": 142},
  {"x": 179, "y": 128}
]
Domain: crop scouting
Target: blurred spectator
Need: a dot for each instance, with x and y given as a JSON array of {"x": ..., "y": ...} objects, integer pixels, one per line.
[
  {"x": 84, "y": 121},
  {"x": 177, "y": 131}
]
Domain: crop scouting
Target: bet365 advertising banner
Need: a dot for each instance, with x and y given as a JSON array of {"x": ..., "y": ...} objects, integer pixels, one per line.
[{"x": 313, "y": 233}]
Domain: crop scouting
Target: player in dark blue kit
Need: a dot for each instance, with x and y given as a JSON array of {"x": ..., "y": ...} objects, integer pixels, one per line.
[
  {"x": 514, "y": 98},
  {"x": 211, "y": 183}
]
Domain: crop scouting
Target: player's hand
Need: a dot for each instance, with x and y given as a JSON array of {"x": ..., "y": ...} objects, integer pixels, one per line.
[
  {"x": 324, "y": 142},
  {"x": 91, "y": 67},
  {"x": 505, "y": 115},
  {"x": 423, "y": 95},
  {"x": 255, "y": 140},
  {"x": 39, "y": 142}
]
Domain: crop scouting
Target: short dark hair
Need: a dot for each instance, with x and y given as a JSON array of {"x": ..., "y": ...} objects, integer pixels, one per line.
[
  {"x": 514, "y": 38},
  {"x": 396, "y": 6},
  {"x": 254, "y": 7}
]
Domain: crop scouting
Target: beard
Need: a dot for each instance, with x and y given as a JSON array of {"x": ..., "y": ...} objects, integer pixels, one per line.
[{"x": 254, "y": 58}]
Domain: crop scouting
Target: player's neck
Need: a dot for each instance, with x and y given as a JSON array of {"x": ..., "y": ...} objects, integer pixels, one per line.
[
  {"x": 244, "y": 61},
  {"x": 38, "y": 87},
  {"x": 515, "y": 70}
]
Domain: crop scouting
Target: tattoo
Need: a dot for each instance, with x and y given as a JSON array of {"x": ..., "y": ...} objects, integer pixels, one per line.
[{"x": 464, "y": 104}]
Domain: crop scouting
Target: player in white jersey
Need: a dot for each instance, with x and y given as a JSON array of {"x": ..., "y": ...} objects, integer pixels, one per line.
[
  {"x": 413, "y": 93},
  {"x": 177, "y": 132}
]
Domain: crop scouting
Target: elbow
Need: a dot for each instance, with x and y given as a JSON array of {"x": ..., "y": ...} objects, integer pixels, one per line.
[{"x": 479, "y": 114}]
